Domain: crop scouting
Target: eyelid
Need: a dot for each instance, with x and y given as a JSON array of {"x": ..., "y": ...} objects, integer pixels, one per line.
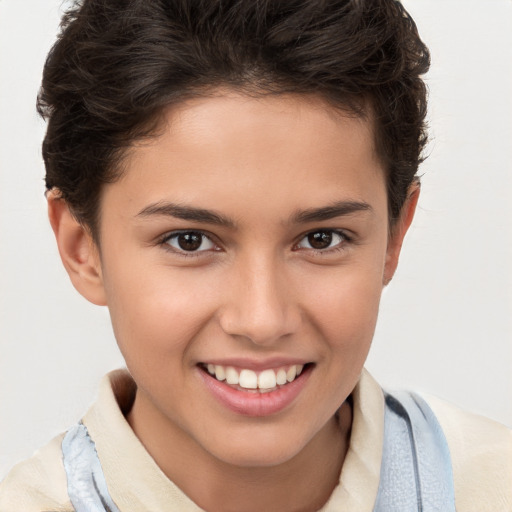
[
  {"x": 164, "y": 239},
  {"x": 347, "y": 238}
]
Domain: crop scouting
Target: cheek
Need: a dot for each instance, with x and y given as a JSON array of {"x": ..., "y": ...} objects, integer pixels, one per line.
[
  {"x": 346, "y": 319},
  {"x": 156, "y": 312},
  {"x": 345, "y": 311}
]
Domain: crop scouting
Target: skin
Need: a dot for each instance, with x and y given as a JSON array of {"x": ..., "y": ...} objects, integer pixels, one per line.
[{"x": 258, "y": 290}]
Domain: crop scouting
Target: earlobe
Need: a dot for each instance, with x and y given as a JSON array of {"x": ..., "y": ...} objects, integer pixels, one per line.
[
  {"x": 77, "y": 249},
  {"x": 398, "y": 232}
]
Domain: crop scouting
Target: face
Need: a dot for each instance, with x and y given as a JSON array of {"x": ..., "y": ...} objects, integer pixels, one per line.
[{"x": 245, "y": 245}]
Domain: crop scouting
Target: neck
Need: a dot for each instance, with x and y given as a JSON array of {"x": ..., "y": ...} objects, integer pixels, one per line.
[{"x": 303, "y": 483}]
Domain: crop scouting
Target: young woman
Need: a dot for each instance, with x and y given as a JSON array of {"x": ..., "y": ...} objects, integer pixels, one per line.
[{"x": 234, "y": 180}]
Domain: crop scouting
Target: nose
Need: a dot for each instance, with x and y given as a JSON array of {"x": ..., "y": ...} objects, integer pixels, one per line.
[{"x": 260, "y": 304}]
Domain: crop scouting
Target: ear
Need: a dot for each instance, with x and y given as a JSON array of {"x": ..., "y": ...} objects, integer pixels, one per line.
[
  {"x": 77, "y": 249},
  {"x": 398, "y": 231}
]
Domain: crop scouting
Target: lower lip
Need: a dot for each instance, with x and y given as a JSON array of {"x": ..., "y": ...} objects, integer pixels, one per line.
[{"x": 249, "y": 403}]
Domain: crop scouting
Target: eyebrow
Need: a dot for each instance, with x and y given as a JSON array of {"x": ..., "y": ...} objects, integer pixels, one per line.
[
  {"x": 338, "y": 209},
  {"x": 186, "y": 213},
  {"x": 168, "y": 209}
]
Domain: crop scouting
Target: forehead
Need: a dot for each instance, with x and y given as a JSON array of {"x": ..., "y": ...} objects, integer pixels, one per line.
[{"x": 285, "y": 152}]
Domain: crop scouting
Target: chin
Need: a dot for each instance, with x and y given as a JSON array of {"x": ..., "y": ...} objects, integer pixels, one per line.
[{"x": 258, "y": 450}]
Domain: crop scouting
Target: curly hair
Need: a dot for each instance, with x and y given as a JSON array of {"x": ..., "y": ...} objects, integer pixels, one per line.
[{"x": 117, "y": 64}]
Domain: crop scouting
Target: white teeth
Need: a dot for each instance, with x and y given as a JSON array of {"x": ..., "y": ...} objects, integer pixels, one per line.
[
  {"x": 248, "y": 379},
  {"x": 231, "y": 375},
  {"x": 267, "y": 379},
  {"x": 281, "y": 377},
  {"x": 291, "y": 373},
  {"x": 220, "y": 374}
]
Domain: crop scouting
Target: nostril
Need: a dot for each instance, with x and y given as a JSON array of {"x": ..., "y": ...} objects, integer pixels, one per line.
[{"x": 259, "y": 328}]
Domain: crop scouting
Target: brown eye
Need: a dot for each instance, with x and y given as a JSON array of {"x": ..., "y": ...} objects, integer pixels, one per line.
[
  {"x": 190, "y": 241},
  {"x": 322, "y": 239}
]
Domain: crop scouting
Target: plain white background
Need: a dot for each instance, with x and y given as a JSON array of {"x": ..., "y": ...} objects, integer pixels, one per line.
[{"x": 446, "y": 319}]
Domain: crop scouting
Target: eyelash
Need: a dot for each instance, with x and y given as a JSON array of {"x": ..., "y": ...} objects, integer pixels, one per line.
[
  {"x": 164, "y": 242},
  {"x": 340, "y": 246}
]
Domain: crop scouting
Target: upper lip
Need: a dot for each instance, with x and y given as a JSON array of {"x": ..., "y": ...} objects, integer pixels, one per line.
[{"x": 256, "y": 364}]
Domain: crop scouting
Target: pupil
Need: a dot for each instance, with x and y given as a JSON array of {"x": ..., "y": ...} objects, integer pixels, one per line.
[
  {"x": 320, "y": 239},
  {"x": 189, "y": 241}
]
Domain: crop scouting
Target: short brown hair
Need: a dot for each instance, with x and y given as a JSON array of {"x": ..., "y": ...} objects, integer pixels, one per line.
[{"x": 118, "y": 63}]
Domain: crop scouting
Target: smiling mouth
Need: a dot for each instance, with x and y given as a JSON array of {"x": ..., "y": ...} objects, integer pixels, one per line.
[{"x": 247, "y": 380}]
